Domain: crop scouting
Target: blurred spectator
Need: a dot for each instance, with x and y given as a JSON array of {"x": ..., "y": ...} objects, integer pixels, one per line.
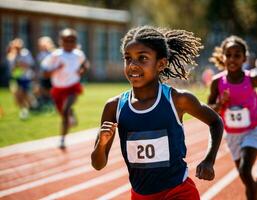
[{"x": 21, "y": 62}]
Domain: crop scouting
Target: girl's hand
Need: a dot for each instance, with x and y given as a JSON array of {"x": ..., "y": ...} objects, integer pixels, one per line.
[
  {"x": 106, "y": 132},
  {"x": 205, "y": 171}
]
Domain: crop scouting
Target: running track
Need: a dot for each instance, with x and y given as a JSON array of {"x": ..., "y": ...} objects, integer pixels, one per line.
[{"x": 39, "y": 170}]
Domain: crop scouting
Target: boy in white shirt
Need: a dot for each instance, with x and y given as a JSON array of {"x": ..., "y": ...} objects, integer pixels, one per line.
[{"x": 65, "y": 66}]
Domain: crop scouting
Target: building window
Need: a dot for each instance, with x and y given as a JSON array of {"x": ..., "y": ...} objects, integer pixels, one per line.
[
  {"x": 47, "y": 28},
  {"x": 100, "y": 53},
  {"x": 114, "y": 42},
  {"x": 7, "y": 32},
  {"x": 23, "y": 31},
  {"x": 83, "y": 40},
  {"x": 62, "y": 25}
]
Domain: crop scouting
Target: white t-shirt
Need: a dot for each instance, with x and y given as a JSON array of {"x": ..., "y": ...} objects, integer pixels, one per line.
[{"x": 68, "y": 64}]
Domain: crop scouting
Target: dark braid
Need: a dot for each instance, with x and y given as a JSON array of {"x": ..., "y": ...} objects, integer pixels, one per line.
[
  {"x": 217, "y": 55},
  {"x": 178, "y": 46}
]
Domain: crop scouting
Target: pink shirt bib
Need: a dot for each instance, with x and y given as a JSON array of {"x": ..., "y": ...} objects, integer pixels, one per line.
[{"x": 240, "y": 113}]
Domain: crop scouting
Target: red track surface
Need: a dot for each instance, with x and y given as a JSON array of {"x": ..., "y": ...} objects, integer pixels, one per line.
[{"x": 49, "y": 173}]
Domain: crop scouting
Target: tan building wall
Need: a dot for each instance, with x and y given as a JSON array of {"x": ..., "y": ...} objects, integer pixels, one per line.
[{"x": 99, "y": 31}]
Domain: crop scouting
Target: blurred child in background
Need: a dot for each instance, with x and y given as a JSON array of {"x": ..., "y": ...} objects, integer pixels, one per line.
[
  {"x": 65, "y": 66},
  {"x": 234, "y": 97},
  {"x": 21, "y": 63},
  {"x": 46, "y": 47}
]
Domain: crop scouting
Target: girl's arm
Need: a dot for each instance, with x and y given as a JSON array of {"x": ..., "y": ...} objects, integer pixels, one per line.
[
  {"x": 104, "y": 140},
  {"x": 213, "y": 101},
  {"x": 186, "y": 102}
]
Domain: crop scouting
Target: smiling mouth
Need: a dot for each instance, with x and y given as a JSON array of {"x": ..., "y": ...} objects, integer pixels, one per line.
[
  {"x": 135, "y": 75},
  {"x": 232, "y": 65}
]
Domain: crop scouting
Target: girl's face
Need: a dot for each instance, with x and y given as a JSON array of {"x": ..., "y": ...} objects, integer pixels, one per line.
[
  {"x": 234, "y": 57},
  {"x": 69, "y": 43},
  {"x": 141, "y": 66}
]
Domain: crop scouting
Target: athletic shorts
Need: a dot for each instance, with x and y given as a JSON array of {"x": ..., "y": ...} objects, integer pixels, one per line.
[
  {"x": 60, "y": 95},
  {"x": 186, "y": 190},
  {"x": 24, "y": 84},
  {"x": 236, "y": 142}
]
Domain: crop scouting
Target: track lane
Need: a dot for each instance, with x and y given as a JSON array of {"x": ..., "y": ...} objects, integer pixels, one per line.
[{"x": 41, "y": 169}]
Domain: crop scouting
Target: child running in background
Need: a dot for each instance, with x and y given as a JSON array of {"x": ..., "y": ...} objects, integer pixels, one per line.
[
  {"x": 149, "y": 117},
  {"x": 233, "y": 96},
  {"x": 65, "y": 66},
  {"x": 21, "y": 64}
]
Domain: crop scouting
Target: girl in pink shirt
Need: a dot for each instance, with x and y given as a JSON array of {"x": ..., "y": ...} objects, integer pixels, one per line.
[{"x": 233, "y": 96}]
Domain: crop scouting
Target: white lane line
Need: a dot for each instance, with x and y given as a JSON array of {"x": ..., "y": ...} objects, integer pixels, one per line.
[
  {"x": 114, "y": 193},
  {"x": 222, "y": 183},
  {"x": 53, "y": 161},
  {"x": 76, "y": 163},
  {"x": 91, "y": 183},
  {"x": 52, "y": 170},
  {"x": 47, "y": 143},
  {"x": 40, "y": 182},
  {"x": 66, "y": 192},
  {"x": 112, "y": 156},
  {"x": 223, "y": 151},
  {"x": 72, "y": 138},
  {"x": 225, "y": 181},
  {"x": 50, "y": 162},
  {"x": 53, "y": 178}
]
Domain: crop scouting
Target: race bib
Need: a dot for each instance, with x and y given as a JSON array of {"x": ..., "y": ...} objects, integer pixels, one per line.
[
  {"x": 237, "y": 117},
  {"x": 148, "y": 149}
]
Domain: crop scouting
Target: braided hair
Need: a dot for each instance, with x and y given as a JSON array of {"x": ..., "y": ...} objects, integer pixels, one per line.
[
  {"x": 180, "y": 47},
  {"x": 217, "y": 55}
]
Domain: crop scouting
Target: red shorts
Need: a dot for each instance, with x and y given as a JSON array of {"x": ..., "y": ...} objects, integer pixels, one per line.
[
  {"x": 187, "y": 190},
  {"x": 60, "y": 95}
]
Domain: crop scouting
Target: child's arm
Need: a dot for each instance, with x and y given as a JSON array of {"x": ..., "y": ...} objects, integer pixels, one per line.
[
  {"x": 83, "y": 68},
  {"x": 213, "y": 101},
  {"x": 49, "y": 73},
  {"x": 185, "y": 102},
  {"x": 104, "y": 140}
]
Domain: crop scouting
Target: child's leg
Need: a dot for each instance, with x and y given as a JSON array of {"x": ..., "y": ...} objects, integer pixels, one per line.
[
  {"x": 23, "y": 104},
  {"x": 67, "y": 110},
  {"x": 19, "y": 98},
  {"x": 248, "y": 157}
]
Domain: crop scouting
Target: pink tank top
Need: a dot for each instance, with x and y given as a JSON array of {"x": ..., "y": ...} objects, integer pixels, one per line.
[{"x": 240, "y": 114}]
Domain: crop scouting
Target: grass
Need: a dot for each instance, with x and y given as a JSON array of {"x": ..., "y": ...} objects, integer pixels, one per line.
[{"x": 45, "y": 124}]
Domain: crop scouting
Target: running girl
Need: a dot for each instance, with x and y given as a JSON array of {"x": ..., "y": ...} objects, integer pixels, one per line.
[
  {"x": 149, "y": 116},
  {"x": 233, "y": 96}
]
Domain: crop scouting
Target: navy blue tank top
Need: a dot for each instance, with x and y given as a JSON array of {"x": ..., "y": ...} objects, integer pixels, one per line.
[{"x": 152, "y": 143}]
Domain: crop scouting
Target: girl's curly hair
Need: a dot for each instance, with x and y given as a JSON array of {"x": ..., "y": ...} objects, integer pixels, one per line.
[
  {"x": 180, "y": 47},
  {"x": 218, "y": 53}
]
